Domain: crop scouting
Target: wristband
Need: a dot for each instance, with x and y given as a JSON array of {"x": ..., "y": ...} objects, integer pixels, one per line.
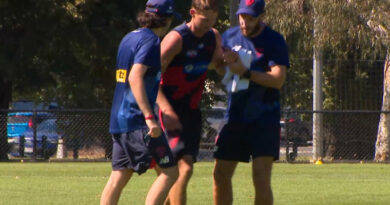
[
  {"x": 149, "y": 117},
  {"x": 246, "y": 74}
]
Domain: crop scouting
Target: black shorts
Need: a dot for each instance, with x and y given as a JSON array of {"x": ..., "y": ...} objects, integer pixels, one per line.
[
  {"x": 134, "y": 150},
  {"x": 240, "y": 142},
  {"x": 187, "y": 141}
]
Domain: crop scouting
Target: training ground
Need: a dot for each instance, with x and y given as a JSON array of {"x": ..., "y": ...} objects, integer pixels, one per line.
[{"x": 82, "y": 183}]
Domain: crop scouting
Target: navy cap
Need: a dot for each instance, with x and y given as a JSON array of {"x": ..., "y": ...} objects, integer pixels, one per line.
[
  {"x": 251, "y": 7},
  {"x": 163, "y": 7}
]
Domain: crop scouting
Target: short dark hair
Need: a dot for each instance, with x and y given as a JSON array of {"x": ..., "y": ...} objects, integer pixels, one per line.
[
  {"x": 152, "y": 20},
  {"x": 205, "y": 4}
]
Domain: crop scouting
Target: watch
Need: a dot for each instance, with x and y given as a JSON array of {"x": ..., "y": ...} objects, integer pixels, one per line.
[{"x": 246, "y": 74}]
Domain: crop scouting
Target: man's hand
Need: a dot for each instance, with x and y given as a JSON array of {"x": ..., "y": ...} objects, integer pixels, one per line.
[
  {"x": 171, "y": 121},
  {"x": 229, "y": 56},
  {"x": 154, "y": 130},
  {"x": 238, "y": 67}
]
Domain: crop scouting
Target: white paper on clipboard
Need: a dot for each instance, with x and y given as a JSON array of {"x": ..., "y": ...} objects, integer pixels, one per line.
[{"x": 233, "y": 82}]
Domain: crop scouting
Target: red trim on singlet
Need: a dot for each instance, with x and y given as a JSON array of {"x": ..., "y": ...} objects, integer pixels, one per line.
[
  {"x": 160, "y": 115},
  {"x": 175, "y": 76}
]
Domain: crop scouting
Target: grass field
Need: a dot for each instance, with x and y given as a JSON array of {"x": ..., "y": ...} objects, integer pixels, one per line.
[{"x": 82, "y": 183}]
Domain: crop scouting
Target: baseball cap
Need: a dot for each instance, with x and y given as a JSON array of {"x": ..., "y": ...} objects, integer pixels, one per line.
[
  {"x": 251, "y": 7},
  {"x": 162, "y": 7}
]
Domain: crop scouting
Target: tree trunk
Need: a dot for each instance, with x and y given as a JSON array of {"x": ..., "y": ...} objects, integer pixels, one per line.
[
  {"x": 5, "y": 98},
  {"x": 382, "y": 152}
]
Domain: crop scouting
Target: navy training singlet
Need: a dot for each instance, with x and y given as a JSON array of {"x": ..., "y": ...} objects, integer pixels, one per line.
[{"x": 183, "y": 81}]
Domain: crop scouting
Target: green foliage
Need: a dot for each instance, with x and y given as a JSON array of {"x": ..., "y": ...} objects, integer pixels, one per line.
[
  {"x": 61, "y": 50},
  {"x": 348, "y": 44},
  {"x": 65, "y": 50}
]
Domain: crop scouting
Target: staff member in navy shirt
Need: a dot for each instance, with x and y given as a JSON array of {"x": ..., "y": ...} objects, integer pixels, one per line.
[
  {"x": 137, "y": 137},
  {"x": 252, "y": 129}
]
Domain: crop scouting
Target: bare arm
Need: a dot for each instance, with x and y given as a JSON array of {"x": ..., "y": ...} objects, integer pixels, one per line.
[
  {"x": 217, "y": 60},
  {"x": 170, "y": 46},
  {"x": 221, "y": 56},
  {"x": 274, "y": 78},
  {"x": 137, "y": 86}
]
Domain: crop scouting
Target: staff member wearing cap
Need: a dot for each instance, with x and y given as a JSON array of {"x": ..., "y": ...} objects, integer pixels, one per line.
[
  {"x": 137, "y": 137},
  {"x": 252, "y": 129}
]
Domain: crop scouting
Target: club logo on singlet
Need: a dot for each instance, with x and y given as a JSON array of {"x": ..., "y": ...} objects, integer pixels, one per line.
[{"x": 192, "y": 53}]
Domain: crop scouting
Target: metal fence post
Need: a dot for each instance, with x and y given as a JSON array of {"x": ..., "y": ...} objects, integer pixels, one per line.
[
  {"x": 317, "y": 91},
  {"x": 232, "y": 15},
  {"x": 60, "y": 148},
  {"x": 22, "y": 141},
  {"x": 34, "y": 119}
]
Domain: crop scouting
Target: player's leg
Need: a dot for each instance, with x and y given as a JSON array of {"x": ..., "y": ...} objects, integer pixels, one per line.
[
  {"x": 186, "y": 149},
  {"x": 265, "y": 142},
  {"x": 229, "y": 150},
  {"x": 223, "y": 189},
  {"x": 159, "y": 190},
  {"x": 178, "y": 193},
  {"x": 261, "y": 173},
  {"x": 114, "y": 186},
  {"x": 166, "y": 169}
]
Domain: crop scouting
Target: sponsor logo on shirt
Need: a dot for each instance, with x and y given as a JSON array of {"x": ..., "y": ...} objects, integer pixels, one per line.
[
  {"x": 239, "y": 48},
  {"x": 121, "y": 75},
  {"x": 190, "y": 68}
]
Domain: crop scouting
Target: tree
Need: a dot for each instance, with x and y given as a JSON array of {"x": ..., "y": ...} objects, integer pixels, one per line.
[
  {"x": 63, "y": 50},
  {"x": 379, "y": 22},
  {"x": 382, "y": 152},
  {"x": 347, "y": 42}
]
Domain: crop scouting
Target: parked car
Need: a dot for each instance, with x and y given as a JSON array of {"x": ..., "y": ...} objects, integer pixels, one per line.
[
  {"x": 294, "y": 133},
  {"x": 214, "y": 122},
  {"x": 20, "y": 131},
  {"x": 46, "y": 138}
]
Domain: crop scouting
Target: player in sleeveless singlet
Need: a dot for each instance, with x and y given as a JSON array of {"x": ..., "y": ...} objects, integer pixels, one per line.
[{"x": 187, "y": 52}]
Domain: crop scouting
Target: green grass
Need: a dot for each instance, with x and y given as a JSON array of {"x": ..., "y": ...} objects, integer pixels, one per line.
[{"x": 82, "y": 183}]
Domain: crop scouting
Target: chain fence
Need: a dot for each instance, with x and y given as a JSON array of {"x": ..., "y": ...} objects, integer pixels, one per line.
[{"x": 83, "y": 135}]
